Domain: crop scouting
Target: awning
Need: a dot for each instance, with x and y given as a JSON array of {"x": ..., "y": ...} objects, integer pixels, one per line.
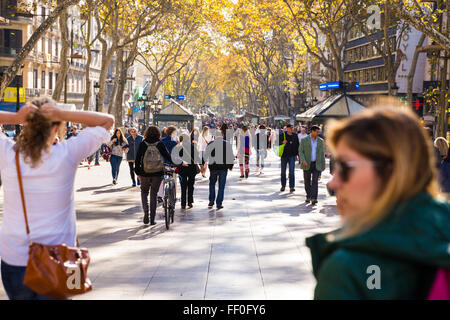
[
  {"x": 281, "y": 117},
  {"x": 335, "y": 106}
]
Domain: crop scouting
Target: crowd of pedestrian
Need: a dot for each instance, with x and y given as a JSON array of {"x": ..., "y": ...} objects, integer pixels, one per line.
[{"x": 386, "y": 187}]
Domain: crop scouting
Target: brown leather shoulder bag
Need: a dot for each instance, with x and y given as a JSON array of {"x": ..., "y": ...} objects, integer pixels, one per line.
[{"x": 55, "y": 271}]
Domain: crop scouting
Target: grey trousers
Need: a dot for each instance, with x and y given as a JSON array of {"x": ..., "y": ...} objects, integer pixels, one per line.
[{"x": 146, "y": 184}]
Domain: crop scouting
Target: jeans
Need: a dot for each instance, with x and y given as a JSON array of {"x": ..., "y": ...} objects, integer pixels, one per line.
[
  {"x": 115, "y": 166},
  {"x": 187, "y": 187},
  {"x": 284, "y": 162},
  {"x": 311, "y": 178},
  {"x": 260, "y": 156},
  {"x": 12, "y": 277},
  {"x": 146, "y": 184},
  {"x": 91, "y": 157},
  {"x": 133, "y": 177},
  {"x": 222, "y": 176}
]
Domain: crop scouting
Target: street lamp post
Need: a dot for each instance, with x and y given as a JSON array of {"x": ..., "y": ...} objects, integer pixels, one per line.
[
  {"x": 96, "y": 91},
  {"x": 145, "y": 100}
]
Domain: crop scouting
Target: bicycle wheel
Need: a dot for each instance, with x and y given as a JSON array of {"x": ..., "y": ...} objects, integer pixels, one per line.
[
  {"x": 172, "y": 203},
  {"x": 166, "y": 213}
]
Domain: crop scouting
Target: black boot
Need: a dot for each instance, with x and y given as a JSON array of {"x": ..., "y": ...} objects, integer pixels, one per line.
[
  {"x": 146, "y": 218},
  {"x": 152, "y": 220}
]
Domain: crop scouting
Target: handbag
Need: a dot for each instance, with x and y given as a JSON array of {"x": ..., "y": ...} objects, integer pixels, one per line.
[
  {"x": 279, "y": 149},
  {"x": 106, "y": 154},
  {"x": 55, "y": 271}
]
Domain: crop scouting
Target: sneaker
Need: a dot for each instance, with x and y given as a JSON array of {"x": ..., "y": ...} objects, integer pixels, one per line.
[
  {"x": 292, "y": 189},
  {"x": 219, "y": 207},
  {"x": 283, "y": 188},
  {"x": 211, "y": 204},
  {"x": 114, "y": 181},
  {"x": 146, "y": 220},
  {"x": 190, "y": 205},
  {"x": 241, "y": 177},
  {"x": 139, "y": 183},
  {"x": 134, "y": 184},
  {"x": 97, "y": 164},
  {"x": 153, "y": 223},
  {"x": 308, "y": 200},
  {"x": 314, "y": 201}
]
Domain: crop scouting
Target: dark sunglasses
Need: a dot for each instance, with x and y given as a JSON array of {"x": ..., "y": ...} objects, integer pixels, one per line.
[{"x": 345, "y": 168}]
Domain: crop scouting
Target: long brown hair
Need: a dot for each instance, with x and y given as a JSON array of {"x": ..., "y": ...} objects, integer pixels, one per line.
[
  {"x": 393, "y": 136},
  {"x": 34, "y": 137}
]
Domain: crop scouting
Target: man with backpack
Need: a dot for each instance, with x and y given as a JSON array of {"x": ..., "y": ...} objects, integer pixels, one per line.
[{"x": 149, "y": 166}]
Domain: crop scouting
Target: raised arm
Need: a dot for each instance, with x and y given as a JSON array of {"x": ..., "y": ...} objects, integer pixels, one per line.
[
  {"x": 16, "y": 118},
  {"x": 86, "y": 118}
]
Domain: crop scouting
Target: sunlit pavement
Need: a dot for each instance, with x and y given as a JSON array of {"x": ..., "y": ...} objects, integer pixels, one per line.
[{"x": 253, "y": 248}]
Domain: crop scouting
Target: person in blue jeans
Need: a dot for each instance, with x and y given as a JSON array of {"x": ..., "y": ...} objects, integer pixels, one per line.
[
  {"x": 290, "y": 155},
  {"x": 118, "y": 145},
  {"x": 220, "y": 158}
]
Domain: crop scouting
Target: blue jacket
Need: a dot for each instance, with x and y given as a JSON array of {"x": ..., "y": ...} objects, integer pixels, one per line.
[
  {"x": 170, "y": 144},
  {"x": 134, "y": 146},
  {"x": 444, "y": 176}
]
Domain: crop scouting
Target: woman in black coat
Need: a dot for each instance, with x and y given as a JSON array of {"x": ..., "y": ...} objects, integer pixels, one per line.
[{"x": 187, "y": 170}]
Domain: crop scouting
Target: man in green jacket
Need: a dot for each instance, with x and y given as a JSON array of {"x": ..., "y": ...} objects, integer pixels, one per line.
[{"x": 311, "y": 153}]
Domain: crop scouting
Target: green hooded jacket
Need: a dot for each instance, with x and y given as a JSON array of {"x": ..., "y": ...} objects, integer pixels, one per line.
[{"x": 396, "y": 259}]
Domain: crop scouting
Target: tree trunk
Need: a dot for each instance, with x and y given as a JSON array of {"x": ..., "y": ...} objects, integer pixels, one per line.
[
  {"x": 63, "y": 59},
  {"x": 107, "y": 56},
  {"x": 16, "y": 65},
  {"x": 412, "y": 71},
  {"x": 112, "y": 102},
  {"x": 87, "y": 94}
]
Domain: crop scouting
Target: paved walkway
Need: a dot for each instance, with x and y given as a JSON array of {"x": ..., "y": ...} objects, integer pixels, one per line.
[{"x": 252, "y": 249}]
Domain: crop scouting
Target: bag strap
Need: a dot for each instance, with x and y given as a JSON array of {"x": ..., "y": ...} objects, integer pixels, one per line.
[
  {"x": 19, "y": 176},
  {"x": 22, "y": 196}
]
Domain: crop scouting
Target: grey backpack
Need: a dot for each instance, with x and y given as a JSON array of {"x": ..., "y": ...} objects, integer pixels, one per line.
[{"x": 153, "y": 160}]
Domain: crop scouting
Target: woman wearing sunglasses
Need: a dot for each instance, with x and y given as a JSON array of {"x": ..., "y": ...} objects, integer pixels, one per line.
[{"x": 395, "y": 233}]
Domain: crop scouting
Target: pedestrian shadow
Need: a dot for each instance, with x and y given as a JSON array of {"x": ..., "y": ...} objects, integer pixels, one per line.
[
  {"x": 329, "y": 210},
  {"x": 110, "y": 238},
  {"x": 150, "y": 232},
  {"x": 92, "y": 188},
  {"x": 112, "y": 190},
  {"x": 133, "y": 210}
]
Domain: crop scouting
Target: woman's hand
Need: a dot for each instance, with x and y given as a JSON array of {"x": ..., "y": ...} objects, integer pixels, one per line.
[
  {"x": 51, "y": 112},
  {"x": 24, "y": 111}
]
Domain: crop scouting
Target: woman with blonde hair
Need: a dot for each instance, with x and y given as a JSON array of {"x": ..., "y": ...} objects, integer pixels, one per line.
[
  {"x": 444, "y": 167},
  {"x": 395, "y": 232},
  {"x": 48, "y": 173},
  {"x": 203, "y": 141}
]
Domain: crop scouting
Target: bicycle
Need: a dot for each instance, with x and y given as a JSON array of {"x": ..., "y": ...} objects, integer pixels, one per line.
[{"x": 169, "y": 199}]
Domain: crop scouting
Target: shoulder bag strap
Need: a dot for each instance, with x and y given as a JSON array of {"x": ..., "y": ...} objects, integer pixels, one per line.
[
  {"x": 22, "y": 196},
  {"x": 19, "y": 176}
]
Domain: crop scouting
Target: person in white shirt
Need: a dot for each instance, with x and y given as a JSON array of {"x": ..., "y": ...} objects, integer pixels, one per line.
[
  {"x": 302, "y": 134},
  {"x": 48, "y": 173},
  {"x": 203, "y": 141}
]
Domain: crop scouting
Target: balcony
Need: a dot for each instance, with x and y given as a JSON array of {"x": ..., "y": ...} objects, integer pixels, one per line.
[
  {"x": 75, "y": 96},
  {"x": 31, "y": 92},
  {"x": 9, "y": 52}
]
